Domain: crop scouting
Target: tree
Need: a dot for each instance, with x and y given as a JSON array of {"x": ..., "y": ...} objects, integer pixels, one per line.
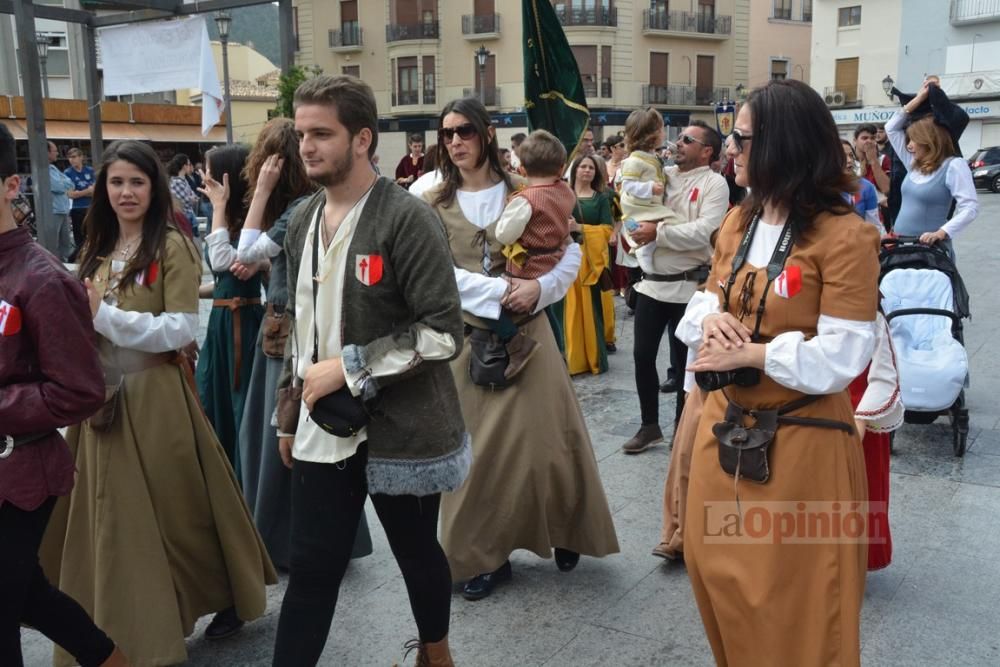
[{"x": 287, "y": 84}]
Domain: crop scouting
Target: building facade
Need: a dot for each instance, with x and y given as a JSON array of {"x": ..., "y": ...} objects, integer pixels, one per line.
[
  {"x": 780, "y": 35},
  {"x": 680, "y": 56}
]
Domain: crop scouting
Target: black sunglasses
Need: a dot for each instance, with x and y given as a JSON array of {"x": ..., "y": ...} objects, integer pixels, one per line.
[
  {"x": 739, "y": 138},
  {"x": 688, "y": 139},
  {"x": 465, "y": 132}
]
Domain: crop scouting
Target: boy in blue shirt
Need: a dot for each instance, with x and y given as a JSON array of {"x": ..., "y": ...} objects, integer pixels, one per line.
[{"x": 83, "y": 191}]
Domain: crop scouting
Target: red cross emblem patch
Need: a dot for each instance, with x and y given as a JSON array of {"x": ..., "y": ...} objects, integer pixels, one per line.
[
  {"x": 789, "y": 282},
  {"x": 10, "y": 319},
  {"x": 368, "y": 269}
]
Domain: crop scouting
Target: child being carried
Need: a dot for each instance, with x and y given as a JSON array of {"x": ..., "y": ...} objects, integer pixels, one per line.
[
  {"x": 643, "y": 182},
  {"x": 534, "y": 229}
]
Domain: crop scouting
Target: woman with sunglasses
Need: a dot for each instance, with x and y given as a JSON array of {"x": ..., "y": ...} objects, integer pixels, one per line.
[
  {"x": 787, "y": 322},
  {"x": 534, "y": 482}
]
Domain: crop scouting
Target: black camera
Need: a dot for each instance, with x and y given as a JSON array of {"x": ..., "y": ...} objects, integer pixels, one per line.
[{"x": 741, "y": 377}]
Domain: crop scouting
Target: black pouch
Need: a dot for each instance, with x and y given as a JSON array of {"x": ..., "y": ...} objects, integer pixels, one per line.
[
  {"x": 743, "y": 451},
  {"x": 488, "y": 360},
  {"x": 340, "y": 413}
]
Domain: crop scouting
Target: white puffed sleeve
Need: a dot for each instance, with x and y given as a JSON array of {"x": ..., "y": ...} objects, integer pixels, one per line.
[
  {"x": 701, "y": 305},
  {"x": 827, "y": 362},
  {"x": 144, "y": 331},
  {"x": 221, "y": 254},
  {"x": 554, "y": 284}
]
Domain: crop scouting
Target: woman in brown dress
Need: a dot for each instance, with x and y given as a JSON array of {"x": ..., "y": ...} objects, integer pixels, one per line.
[
  {"x": 155, "y": 533},
  {"x": 775, "y": 538}
]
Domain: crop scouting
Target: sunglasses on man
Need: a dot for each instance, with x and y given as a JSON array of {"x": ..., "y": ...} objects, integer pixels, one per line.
[
  {"x": 687, "y": 139},
  {"x": 465, "y": 132}
]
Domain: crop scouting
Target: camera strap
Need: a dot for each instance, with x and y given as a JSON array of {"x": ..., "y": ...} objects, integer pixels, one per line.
[{"x": 774, "y": 267}]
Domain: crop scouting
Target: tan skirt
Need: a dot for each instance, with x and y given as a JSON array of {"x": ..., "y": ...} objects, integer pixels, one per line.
[
  {"x": 766, "y": 603},
  {"x": 155, "y": 533},
  {"x": 676, "y": 487},
  {"x": 534, "y": 482}
]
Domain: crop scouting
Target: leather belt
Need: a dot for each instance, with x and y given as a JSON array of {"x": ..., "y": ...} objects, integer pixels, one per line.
[
  {"x": 696, "y": 275},
  {"x": 234, "y": 304},
  {"x": 10, "y": 442}
]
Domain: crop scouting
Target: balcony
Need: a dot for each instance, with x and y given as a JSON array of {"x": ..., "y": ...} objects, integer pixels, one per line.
[
  {"x": 844, "y": 96},
  {"x": 686, "y": 24},
  {"x": 683, "y": 96},
  {"x": 485, "y": 26},
  {"x": 343, "y": 41},
  {"x": 398, "y": 32},
  {"x": 600, "y": 17},
  {"x": 405, "y": 97},
  {"x": 589, "y": 87},
  {"x": 605, "y": 87},
  {"x": 967, "y": 12},
  {"x": 491, "y": 99},
  {"x": 782, "y": 14}
]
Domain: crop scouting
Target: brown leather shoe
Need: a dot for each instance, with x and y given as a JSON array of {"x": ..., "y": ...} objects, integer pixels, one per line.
[
  {"x": 647, "y": 436},
  {"x": 520, "y": 349},
  {"x": 663, "y": 551},
  {"x": 430, "y": 654},
  {"x": 116, "y": 659}
]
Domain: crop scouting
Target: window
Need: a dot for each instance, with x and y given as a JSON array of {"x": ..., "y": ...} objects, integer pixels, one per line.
[
  {"x": 782, "y": 10},
  {"x": 350, "y": 29},
  {"x": 605, "y": 71},
  {"x": 807, "y": 11},
  {"x": 586, "y": 60},
  {"x": 428, "y": 75},
  {"x": 846, "y": 78},
  {"x": 779, "y": 70},
  {"x": 704, "y": 88},
  {"x": 657, "y": 92},
  {"x": 849, "y": 16},
  {"x": 407, "y": 81},
  {"x": 351, "y": 70}
]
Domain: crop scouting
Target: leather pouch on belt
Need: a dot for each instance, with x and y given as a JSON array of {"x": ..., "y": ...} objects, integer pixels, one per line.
[
  {"x": 288, "y": 405},
  {"x": 744, "y": 451},
  {"x": 488, "y": 359},
  {"x": 276, "y": 327}
]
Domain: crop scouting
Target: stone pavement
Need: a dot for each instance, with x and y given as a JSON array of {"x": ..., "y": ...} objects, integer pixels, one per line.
[{"x": 935, "y": 605}]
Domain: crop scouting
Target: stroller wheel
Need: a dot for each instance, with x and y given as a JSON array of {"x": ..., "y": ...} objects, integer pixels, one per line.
[{"x": 959, "y": 439}]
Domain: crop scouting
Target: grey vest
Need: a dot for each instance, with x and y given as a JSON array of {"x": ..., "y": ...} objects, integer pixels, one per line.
[{"x": 925, "y": 205}]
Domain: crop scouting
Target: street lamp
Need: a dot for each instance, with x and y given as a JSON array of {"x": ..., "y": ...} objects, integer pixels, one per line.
[
  {"x": 482, "y": 54},
  {"x": 42, "y": 42},
  {"x": 222, "y": 22},
  {"x": 887, "y": 83},
  {"x": 972, "y": 61}
]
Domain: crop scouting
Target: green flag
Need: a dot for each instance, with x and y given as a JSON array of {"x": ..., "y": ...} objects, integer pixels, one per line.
[{"x": 553, "y": 92}]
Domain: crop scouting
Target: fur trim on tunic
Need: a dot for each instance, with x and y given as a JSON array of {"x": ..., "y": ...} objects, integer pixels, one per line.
[{"x": 397, "y": 477}]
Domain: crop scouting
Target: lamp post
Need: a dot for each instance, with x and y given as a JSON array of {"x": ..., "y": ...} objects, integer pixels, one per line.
[
  {"x": 43, "y": 55},
  {"x": 222, "y": 22},
  {"x": 972, "y": 61},
  {"x": 887, "y": 83},
  {"x": 482, "y": 54}
]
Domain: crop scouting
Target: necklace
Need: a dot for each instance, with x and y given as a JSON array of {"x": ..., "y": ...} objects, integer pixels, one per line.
[{"x": 125, "y": 251}]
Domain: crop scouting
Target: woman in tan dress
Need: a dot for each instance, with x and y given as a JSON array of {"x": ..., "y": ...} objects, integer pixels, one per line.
[
  {"x": 155, "y": 533},
  {"x": 534, "y": 482},
  {"x": 775, "y": 539}
]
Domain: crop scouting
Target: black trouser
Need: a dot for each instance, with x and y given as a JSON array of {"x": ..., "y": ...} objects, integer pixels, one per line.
[
  {"x": 652, "y": 318},
  {"x": 76, "y": 216},
  {"x": 26, "y": 596},
  {"x": 327, "y": 501}
]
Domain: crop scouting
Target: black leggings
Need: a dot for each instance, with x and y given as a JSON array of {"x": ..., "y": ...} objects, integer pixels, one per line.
[
  {"x": 28, "y": 597},
  {"x": 652, "y": 318},
  {"x": 327, "y": 501}
]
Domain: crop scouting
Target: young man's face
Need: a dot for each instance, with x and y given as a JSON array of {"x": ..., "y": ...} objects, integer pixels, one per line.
[
  {"x": 53, "y": 152},
  {"x": 587, "y": 145},
  {"x": 880, "y": 136},
  {"x": 863, "y": 141},
  {"x": 76, "y": 161},
  {"x": 417, "y": 147},
  {"x": 327, "y": 148}
]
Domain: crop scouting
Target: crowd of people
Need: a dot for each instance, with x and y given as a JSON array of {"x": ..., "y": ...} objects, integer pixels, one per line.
[{"x": 412, "y": 340}]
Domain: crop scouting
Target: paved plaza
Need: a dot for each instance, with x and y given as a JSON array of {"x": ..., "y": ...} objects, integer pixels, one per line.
[{"x": 935, "y": 605}]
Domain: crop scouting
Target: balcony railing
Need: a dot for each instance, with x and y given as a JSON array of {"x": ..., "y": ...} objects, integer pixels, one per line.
[
  {"x": 687, "y": 22},
  {"x": 781, "y": 13},
  {"x": 605, "y": 87},
  {"x": 340, "y": 39},
  {"x": 974, "y": 11},
  {"x": 597, "y": 17},
  {"x": 844, "y": 96},
  {"x": 403, "y": 97},
  {"x": 429, "y": 96},
  {"x": 589, "y": 87},
  {"x": 680, "y": 95},
  {"x": 397, "y": 32},
  {"x": 492, "y": 95},
  {"x": 483, "y": 24}
]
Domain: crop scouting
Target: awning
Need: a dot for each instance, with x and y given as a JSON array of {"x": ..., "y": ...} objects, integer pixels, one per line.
[
  {"x": 80, "y": 131},
  {"x": 15, "y": 128},
  {"x": 182, "y": 133}
]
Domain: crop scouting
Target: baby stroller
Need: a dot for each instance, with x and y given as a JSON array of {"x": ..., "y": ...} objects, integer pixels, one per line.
[{"x": 924, "y": 300}]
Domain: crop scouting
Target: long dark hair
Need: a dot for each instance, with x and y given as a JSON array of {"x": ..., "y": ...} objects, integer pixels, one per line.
[
  {"x": 277, "y": 137},
  {"x": 600, "y": 180},
  {"x": 451, "y": 177},
  {"x": 231, "y": 160},
  {"x": 101, "y": 224},
  {"x": 796, "y": 162}
]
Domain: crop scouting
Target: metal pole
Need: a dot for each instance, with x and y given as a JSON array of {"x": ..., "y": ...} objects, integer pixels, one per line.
[
  {"x": 38, "y": 149},
  {"x": 286, "y": 36},
  {"x": 225, "y": 79},
  {"x": 93, "y": 85},
  {"x": 45, "y": 77},
  {"x": 482, "y": 84}
]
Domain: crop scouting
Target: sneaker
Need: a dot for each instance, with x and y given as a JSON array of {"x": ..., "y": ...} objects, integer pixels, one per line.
[
  {"x": 520, "y": 349},
  {"x": 647, "y": 436}
]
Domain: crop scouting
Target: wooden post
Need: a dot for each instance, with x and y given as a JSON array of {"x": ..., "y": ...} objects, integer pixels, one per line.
[
  {"x": 94, "y": 96},
  {"x": 38, "y": 149}
]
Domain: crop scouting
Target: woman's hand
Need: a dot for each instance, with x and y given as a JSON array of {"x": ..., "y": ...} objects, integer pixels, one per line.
[
  {"x": 270, "y": 174},
  {"x": 217, "y": 193},
  {"x": 522, "y": 296},
  {"x": 247, "y": 271},
  {"x": 93, "y": 296},
  {"x": 930, "y": 238},
  {"x": 285, "y": 451},
  {"x": 574, "y": 226},
  {"x": 714, "y": 356},
  {"x": 322, "y": 378},
  {"x": 725, "y": 329}
]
